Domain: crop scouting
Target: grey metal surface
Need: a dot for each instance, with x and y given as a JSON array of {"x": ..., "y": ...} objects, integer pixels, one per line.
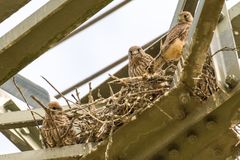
[
  {"x": 24, "y": 139},
  {"x": 8, "y": 7},
  {"x": 42, "y": 30},
  {"x": 19, "y": 119},
  {"x": 28, "y": 88},
  {"x": 225, "y": 62},
  {"x": 153, "y": 133},
  {"x": 234, "y": 14},
  {"x": 74, "y": 152}
]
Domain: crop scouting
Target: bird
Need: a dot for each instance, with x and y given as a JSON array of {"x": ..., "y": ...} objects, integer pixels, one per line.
[
  {"x": 172, "y": 47},
  {"x": 138, "y": 61},
  {"x": 57, "y": 129}
]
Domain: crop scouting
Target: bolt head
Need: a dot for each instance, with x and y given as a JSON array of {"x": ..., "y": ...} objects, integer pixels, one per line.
[
  {"x": 184, "y": 98},
  {"x": 211, "y": 124},
  {"x": 192, "y": 138},
  {"x": 231, "y": 81},
  {"x": 173, "y": 153}
]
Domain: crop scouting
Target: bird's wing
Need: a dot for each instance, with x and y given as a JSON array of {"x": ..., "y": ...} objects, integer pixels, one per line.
[{"x": 179, "y": 31}]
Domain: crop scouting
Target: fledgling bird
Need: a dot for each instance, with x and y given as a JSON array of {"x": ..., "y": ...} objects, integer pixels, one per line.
[
  {"x": 138, "y": 61},
  {"x": 55, "y": 120},
  {"x": 172, "y": 47}
]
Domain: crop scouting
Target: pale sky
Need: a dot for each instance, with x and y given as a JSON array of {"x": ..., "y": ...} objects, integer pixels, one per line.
[{"x": 91, "y": 50}]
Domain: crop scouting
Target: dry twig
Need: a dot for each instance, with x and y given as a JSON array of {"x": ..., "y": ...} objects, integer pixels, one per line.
[
  {"x": 67, "y": 100},
  {"x": 29, "y": 108}
]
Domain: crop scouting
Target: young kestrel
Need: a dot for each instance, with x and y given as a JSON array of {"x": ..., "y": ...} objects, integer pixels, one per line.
[
  {"x": 138, "y": 61},
  {"x": 56, "y": 128},
  {"x": 175, "y": 40}
]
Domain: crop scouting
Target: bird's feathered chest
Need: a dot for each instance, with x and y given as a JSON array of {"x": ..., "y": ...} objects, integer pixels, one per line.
[
  {"x": 141, "y": 59},
  {"x": 178, "y": 32},
  {"x": 59, "y": 120},
  {"x": 137, "y": 65},
  {"x": 57, "y": 130}
]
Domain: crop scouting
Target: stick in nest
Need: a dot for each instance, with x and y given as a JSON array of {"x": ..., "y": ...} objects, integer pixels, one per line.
[
  {"x": 110, "y": 141},
  {"x": 67, "y": 100},
  {"x": 225, "y": 49},
  {"x": 29, "y": 108},
  {"x": 78, "y": 96}
]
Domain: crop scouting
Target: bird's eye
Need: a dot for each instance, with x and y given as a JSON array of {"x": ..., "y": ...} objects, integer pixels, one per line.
[
  {"x": 54, "y": 108},
  {"x": 138, "y": 49},
  {"x": 185, "y": 16}
]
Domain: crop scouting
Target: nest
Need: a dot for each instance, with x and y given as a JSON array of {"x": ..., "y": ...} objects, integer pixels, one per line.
[
  {"x": 99, "y": 118},
  {"x": 95, "y": 120},
  {"x": 94, "y": 123},
  {"x": 206, "y": 83}
]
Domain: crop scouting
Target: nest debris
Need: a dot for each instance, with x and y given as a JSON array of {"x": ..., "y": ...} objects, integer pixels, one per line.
[
  {"x": 95, "y": 123},
  {"x": 97, "y": 119}
]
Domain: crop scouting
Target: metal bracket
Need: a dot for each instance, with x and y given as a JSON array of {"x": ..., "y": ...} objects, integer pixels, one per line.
[{"x": 225, "y": 62}]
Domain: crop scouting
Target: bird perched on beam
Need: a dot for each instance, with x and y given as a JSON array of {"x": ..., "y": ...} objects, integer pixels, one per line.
[
  {"x": 57, "y": 129},
  {"x": 172, "y": 47},
  {"x": 138, "y": 61}
]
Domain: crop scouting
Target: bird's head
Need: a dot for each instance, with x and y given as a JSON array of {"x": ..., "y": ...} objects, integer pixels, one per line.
[
  {"x": 54, "y": 107},
  {"x": 185, "y": 17},
  {"x": 134, "y": 52}
]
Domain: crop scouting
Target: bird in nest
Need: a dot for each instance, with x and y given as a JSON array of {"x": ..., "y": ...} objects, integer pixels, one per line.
[
  {"x": 57, "y": 129},
  {"x": 171, "y": 49},
  {"x": 138, "y": 61}
]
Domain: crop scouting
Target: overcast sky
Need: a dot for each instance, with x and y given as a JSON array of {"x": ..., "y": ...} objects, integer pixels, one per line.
[{"x": 91, "y": 50}]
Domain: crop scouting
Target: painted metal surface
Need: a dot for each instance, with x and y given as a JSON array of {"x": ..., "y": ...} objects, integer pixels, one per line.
[
  {"x": 74, "y": 152},
  {"x": 8, "y": 7},
  {"x": 26, "y": 138},
  {"x": 234, "y": 14},
  {"x": 28, "y": 89},
  {"x": 225, "y": 62},
  {"x": 198, "y": 130},
  {"x": 42, "y": 30}
]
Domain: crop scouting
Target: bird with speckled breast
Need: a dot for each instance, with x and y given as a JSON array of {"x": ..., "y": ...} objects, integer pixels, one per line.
[
  {"x": 138, "y": 61},
  {"x": 57, "y": 130}
]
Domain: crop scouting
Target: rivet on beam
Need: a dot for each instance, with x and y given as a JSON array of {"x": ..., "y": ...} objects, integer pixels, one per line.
[
  {"x": 185, "y": 98},
  {"x": 192, "y": 137},
  {"x": 180, "y": 114},
  {"x": 231, "y": 81},
  {"x": 173, "y": 153},
  {"x": 211, "y": 124}
]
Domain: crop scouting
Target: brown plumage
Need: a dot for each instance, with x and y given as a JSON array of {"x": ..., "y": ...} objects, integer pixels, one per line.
[
  {"x": 138, "y": 61},
  {"x": 55, "y": 120},
  {"x": 171, "y": 49}
]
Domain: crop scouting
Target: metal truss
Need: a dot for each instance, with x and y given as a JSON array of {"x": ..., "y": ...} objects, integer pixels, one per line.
[{"x": 198, "y": 130}]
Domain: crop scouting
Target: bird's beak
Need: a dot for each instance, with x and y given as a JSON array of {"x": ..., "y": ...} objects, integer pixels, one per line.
[{"x": 135, "y": 52}]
